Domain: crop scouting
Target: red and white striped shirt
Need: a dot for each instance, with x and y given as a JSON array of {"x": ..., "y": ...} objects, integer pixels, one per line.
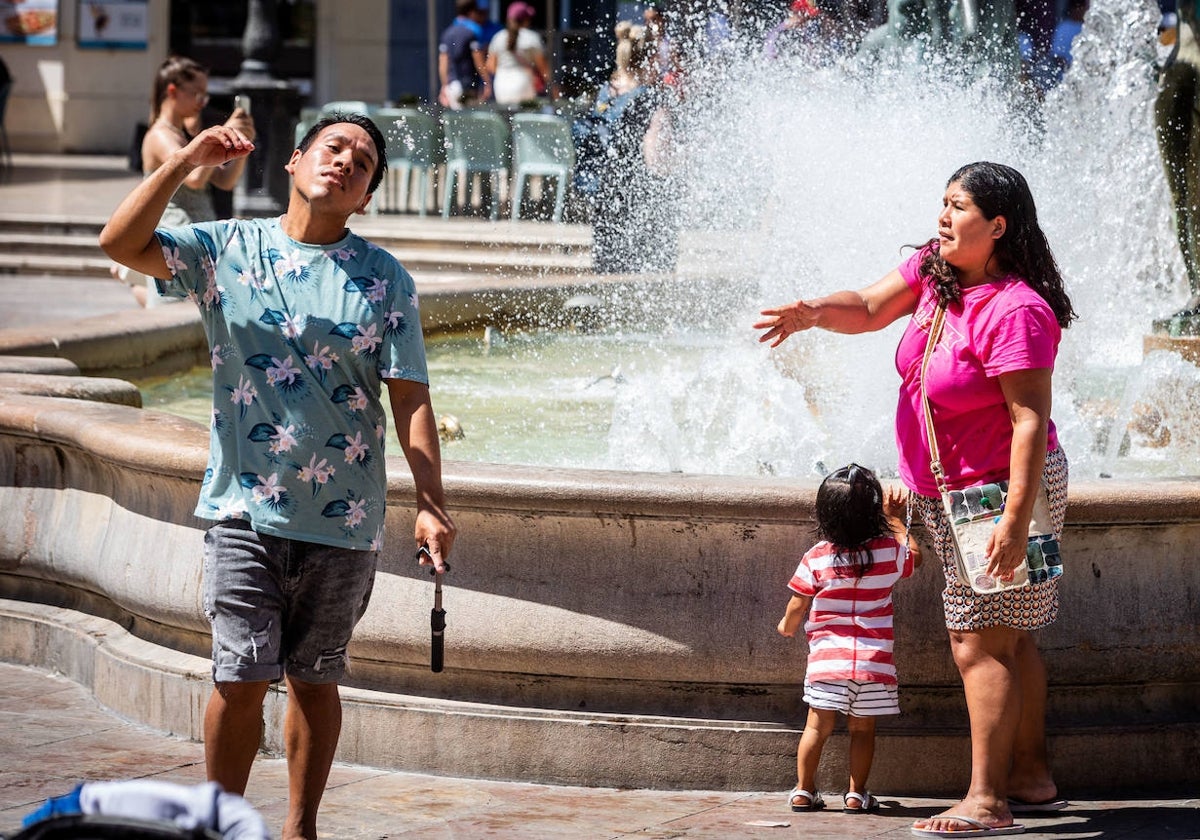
[{"x": 849, "y": 625}]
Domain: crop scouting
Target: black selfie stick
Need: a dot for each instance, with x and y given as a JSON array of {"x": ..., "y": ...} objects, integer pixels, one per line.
[
  {"x": 437, "y": 624},
  {"x": 437, "y": 617}
]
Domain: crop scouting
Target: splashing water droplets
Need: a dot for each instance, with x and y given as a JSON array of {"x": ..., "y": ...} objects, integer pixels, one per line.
[{"x": 813, "y": 178}]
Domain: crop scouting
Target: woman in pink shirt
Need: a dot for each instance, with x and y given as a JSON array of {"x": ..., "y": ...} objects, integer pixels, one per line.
[{"x": 989, "y": 387}]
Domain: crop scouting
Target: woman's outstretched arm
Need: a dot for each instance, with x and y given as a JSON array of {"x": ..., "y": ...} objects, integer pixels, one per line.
[{"x": 865, "y": 310}]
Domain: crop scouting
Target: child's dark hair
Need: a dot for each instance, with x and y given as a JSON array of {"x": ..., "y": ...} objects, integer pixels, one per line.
[{"x": 850, "y": 514}]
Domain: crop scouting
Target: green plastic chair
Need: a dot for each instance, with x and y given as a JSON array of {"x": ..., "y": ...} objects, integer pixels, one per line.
[
  {"x": 414, "y": 144},
  {"x": 348, "y": 106},
  {"x": 476, "y": 142},
  {"x": 542, "y": 147}
]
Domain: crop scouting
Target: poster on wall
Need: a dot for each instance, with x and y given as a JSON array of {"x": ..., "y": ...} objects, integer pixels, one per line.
[
  {"x": 118, "y": 25},
  {"x": 29, "y": 22}
]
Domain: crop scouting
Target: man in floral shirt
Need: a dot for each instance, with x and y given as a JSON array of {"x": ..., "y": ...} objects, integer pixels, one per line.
[{"x": 305, "y": 322}]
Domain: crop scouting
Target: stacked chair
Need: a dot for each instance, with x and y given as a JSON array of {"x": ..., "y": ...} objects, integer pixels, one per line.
[{"x": 414, "y": 145}]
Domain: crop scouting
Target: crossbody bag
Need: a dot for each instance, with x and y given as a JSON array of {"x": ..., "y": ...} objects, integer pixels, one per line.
[{"x": 974, "y": 511}]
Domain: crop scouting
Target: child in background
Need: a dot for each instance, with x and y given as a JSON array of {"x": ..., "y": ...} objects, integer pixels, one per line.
[{"x": 844, "y": 586}]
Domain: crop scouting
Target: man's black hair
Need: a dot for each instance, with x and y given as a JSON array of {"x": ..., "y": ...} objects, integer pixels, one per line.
[{"x": 367, "y": 125}]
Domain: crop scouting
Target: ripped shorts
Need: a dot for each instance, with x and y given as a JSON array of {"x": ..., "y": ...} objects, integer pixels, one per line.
[{"x": 281, "y": 606}]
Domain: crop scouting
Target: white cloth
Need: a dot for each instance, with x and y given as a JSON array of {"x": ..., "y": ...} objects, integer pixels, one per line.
[
  {"x": 513, "y": 82},
  {"x": 200, "y": 806}
]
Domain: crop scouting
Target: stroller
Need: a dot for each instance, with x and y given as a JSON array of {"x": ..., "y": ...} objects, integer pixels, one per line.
[{"x": 144, "y": 810}]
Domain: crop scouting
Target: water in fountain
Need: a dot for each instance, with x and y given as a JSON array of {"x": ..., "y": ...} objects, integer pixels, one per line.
[
  {"x": 822, "y": 174},
  {"x": 811, "y": 179}
]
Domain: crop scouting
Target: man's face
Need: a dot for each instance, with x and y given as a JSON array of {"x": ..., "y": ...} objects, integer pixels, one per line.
[{"x": 335, "y": 171}]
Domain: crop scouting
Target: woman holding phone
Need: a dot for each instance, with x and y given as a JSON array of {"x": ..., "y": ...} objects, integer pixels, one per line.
[{"x": 179, "y": 96}]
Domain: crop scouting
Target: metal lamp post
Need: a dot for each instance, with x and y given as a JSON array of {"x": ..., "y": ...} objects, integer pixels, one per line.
[{"x": 263, "y": 189}]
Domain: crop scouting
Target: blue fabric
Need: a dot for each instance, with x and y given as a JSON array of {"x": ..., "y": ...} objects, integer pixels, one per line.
[
  {"x": 58, "y": 806},
  {"x": 458, "y": 41}
]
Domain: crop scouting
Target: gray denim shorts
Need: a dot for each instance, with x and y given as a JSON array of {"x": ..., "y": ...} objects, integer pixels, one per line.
[{"x": 281, "y": 606}]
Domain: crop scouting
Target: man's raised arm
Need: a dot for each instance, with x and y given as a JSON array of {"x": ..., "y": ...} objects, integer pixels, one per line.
[{"x": 128, "y": 238}]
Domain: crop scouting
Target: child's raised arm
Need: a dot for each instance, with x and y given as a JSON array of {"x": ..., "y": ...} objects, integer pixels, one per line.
[
  {"x": 895, "y": 505},
  {"x": 793, "y": 618}
]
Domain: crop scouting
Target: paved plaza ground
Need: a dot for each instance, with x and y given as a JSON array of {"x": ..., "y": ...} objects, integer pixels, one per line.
[{"x": 53, "y": 735}]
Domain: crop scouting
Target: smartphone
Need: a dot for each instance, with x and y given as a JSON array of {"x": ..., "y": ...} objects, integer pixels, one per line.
[{"x": 242, "y": 101}]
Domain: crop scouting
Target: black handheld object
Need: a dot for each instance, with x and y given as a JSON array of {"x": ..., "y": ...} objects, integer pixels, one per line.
[{"x": 437, "y": 618}]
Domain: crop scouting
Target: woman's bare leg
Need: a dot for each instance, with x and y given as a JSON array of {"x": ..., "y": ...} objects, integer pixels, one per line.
[
  {"x": 987, "y": 660},
  {"x": 1029, "y": 778}
]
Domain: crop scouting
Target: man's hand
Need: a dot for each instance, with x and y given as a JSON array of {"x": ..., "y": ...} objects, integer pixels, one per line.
[
  {"x": 216, "y": 146},
  {"x": 436, "y": 532},
  {"x": 239, "y": 120},
  {"x": 128, "y": 237}
]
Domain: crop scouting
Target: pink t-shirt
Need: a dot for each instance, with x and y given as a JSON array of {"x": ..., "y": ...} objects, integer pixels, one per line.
[{"x": 1001, "y": 327}]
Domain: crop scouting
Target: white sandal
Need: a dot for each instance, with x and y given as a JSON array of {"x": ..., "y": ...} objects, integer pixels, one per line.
[
  {"x": 815, "y": 802},
  {"x": 866, "y": 802}
]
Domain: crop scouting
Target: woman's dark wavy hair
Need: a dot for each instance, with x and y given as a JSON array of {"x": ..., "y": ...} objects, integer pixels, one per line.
[
  {"x": 366, "y": 124},
  {"x": 1000, "y": 190},
  {"x": 850, "y": 514}
]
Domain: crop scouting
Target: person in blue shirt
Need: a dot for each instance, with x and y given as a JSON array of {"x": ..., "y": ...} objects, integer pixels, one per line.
[
  {"x": 306, "y": 322},
  {"x": 490, "y": 26},
  {"x": 462, "y": 58}
]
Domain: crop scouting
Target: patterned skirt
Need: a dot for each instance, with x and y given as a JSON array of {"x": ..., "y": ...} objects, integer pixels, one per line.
[{"x": 1025, "y": 608}]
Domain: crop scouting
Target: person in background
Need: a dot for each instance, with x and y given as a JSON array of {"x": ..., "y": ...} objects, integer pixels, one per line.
[
  {"x": 655, "y": 22},
  {"x": 462, "y": 61},
  {"x": 180, "y": 94},
  {"x": 800, "y": 33},
  {"x": 489, "y": 26},
  {"x": 635, "y": 212},
  {"x": 1065, "y": 33},
  {"x": 177, "y": 101},
  {"x": 516, "y": 59},
  {"x": 307, "y": 323},
  {"x": 989, "y": 383},
  {"x": 843, "y": 586}
]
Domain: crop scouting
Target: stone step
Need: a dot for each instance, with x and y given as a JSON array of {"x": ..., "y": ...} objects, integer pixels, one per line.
[
  {"x": 399, "y": 232},
  {"x": 57, "y": 243},
  {"x": 62, "y": 265},
  {"x": 78, "y": 259}
]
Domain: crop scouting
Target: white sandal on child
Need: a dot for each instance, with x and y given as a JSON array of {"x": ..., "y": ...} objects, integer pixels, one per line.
[
  {"x": 815, "y": 802},
  {"x": 866, "y": 802}
]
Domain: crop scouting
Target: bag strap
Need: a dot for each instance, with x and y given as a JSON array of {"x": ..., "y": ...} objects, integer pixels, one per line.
[{"x": 935, "y": 463}]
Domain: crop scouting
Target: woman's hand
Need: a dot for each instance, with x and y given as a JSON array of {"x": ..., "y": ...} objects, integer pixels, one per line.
[
  {"x": 782, "y": 321},
  {"x": 1006, "y": 548}
]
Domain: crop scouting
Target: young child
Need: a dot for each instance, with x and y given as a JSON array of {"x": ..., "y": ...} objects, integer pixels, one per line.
[{"x": 844, "y": 585}]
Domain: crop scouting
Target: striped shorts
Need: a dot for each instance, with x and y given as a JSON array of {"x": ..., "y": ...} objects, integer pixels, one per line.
[
  {"x": 850, "y": 697},
  {"x": 1024, "y": 608}
]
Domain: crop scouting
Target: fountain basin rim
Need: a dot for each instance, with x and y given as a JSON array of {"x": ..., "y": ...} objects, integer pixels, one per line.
[{"x": 155, "y": 442}]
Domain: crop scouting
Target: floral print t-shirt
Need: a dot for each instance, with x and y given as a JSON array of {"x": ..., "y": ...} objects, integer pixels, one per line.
[{"x": 300, "y": 339}]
